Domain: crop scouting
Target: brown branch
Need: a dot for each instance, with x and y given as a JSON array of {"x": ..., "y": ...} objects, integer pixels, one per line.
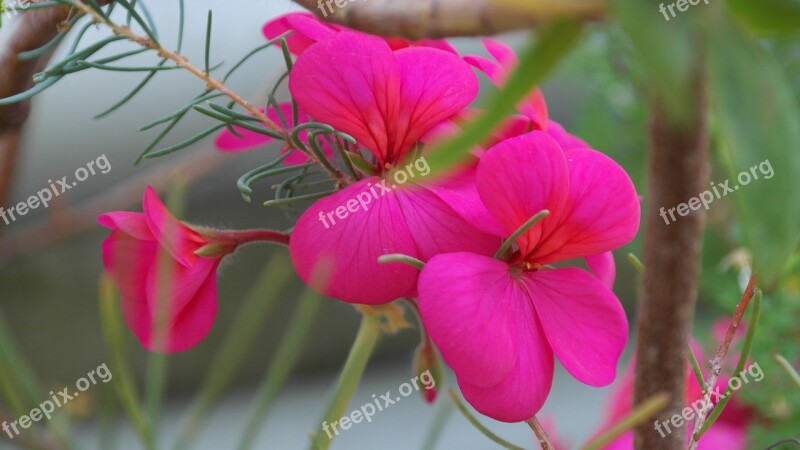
[
  {"x": 416, "y": 19},
  {"x": 541, "y": 434},
  {"x": 678, "y": 171},
  {"x": 719, "y": 359},
  {"x": 33, "y": 30}
]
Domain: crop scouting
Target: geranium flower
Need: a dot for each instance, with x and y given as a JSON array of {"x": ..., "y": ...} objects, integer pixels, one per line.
[
  {"x": 131, "y": 258},
  {"x": 153, "y": 251},
  {"x": 500, "y": 323},
  {"x": 386, "y": 99}
]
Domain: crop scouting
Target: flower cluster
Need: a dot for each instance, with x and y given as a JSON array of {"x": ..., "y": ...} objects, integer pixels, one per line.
[{"x": 498, "y": 318}]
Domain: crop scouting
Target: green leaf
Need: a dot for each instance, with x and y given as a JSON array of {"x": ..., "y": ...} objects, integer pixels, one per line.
[
  {"x": 537, "y": 61},
  {"x": 665, "y": 51},
  {"x": 768, "y": 16},
  {"x": 758, "y": 119}
]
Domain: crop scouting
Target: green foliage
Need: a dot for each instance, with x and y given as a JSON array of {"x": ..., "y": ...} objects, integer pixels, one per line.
[
  {"x": 768, "y": 16},
  {"x": 758, "y": 119}
]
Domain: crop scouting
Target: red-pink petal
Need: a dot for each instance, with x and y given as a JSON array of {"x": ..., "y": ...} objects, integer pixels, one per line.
[
  {"x": 386, "y": 100},
  {"x": 171, "y": 233},
  {"x": 583, "y": 320},
  {"x": 131, "y": 223},
  {"x": 409, "y": 220},
  {"x": 520, "y": 177},
  {"x": 485, "y": 326},
  {"x": 602, "y": 212},
  {"x": 192, "y": 308},
  {"x": 603, "y": 267},
  {"x": 306, "y": 30}
]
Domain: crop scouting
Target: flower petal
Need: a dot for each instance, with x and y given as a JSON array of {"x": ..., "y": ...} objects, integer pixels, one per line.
[
  {"x": 603, "y": 267},
  {"x": 386, "y": 100},
  {"x": 348, "y": 231},
  {"x": 131, "y": 223},
  {"x": 192, "y": 302},
  {"x": 306, "y": 30},
  {"x": 469, "y": 304},
  {"x": 520, "y": 177},
  {"x": 602, "y": 212},
  {"x": 583, "y": 320},
  {"x": 172, "y": 234}
]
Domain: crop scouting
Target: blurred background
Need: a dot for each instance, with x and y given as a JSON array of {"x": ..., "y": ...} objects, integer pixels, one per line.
[{"x": 50, "y": 259}]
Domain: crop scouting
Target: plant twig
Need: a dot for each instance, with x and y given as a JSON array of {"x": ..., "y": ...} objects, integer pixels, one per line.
[
  {"x": 538, "y": 430},
  {"x": 719, "y": 359},
  {"x": 33, "y": 30},
  {"x": 416, "y": 19},
  {"x": 183, "y": 62}
]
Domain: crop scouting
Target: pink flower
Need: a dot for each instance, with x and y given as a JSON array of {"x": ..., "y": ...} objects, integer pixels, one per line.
[
  {"x": 153, "y": 251},
  {"x": 307, "y": 30},
  {"x": 534, "y": 106},
  {"x": 133, "y": 256},
  {"x": 499, "y": 323},
  {"x": 386, "y": 99}
]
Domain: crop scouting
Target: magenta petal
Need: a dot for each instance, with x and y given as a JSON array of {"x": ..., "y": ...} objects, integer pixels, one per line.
[
  {"x": 435, "y": 86},
  {"x": 603, "y": 267},
  {"x": 501, "y": 52},
  {"x": 127, "y": 261},
  {"x": 306, "y": 30},
  {"x": 460, "y": 192},
  {"x": 171, "y": 233},
  {"x": 471, "y": 308},
  {"x": 487, "y": 66},
  {"x": 351, "y": 82},
  {"x": 602, "y": 212},
  {"x": 371, "y": 223},
  {"x": 192, "y": 302},
  {"x": 131, "y": 223},
  {"x": 583, "y": 320},
  {"x": 520, "y": 177},
  {"x": 566, "y": 140}
]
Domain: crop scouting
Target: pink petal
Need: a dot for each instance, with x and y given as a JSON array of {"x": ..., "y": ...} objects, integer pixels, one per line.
[
  {"x": 350, "y": 82},
  {"x": 603, "y": 267},
  {"x": 192, "y": 303},
  {"x": 306, "y": 30},
  {"x": 583, "y": 320},
  {"x": 130, "y": 223},
  {"x": 411, "y": 221},
  {"x": 231, "y": 143},
  {"x": 488, "y": 67},
  {"x": 565, "y": 140},
  {"x": 386, "y": 100},
  {"x": 171, "y": 233},
  {"x": 485, "y": 326},
  {"x": 501, "y": 52},
  {"x": 460, "y": 192},
  {"x": 128, "y": 261},
  {"x": 519, "y": 178},
  {"x": 724, "y": 436},
  {"x": 602, "y": 212}
]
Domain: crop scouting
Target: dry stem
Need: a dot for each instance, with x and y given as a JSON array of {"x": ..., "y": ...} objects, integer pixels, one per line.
[{"x": 538, "y": 430}]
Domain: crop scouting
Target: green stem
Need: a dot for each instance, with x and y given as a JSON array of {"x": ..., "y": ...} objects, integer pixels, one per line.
[
  {"x": 525, "y": 227},
  {"x": 486, "y": 432},
  {"x": 365, "y": 342}
]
